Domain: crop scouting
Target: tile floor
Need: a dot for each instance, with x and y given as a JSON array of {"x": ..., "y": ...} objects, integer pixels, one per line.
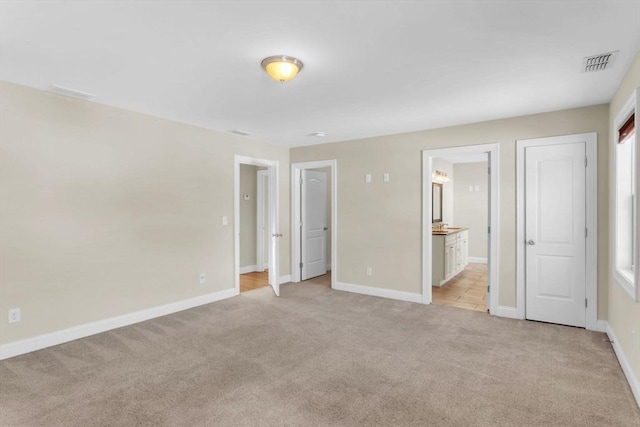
[{"x": 467, "y": 290}]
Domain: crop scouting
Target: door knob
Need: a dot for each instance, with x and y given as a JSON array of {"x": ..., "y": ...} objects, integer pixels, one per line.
[
  {"x": 531, "y": 242},
  {"x": 277, "y": 234},
  {"x": 325, "y": 229}
]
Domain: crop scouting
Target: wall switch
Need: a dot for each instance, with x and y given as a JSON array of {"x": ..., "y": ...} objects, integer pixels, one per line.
[
  {"x": 471, "y": 189},
  {"x": 202, "y": 278},
  {"x": 14, "y": 315},
  {"x": 225, "y": 220},
  {"x": 369, "y": 271},
  {"x": 367, "y": 178},
  {"x": 477, "y": 188},
  {"x": 385, "y": 177}
]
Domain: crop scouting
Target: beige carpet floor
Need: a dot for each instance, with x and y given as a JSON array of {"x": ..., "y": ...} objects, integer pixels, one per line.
[{"x": 318, "y": 357}]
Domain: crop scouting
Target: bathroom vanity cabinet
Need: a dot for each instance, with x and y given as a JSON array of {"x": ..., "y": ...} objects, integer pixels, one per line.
[{"x": 450, "y": 254}]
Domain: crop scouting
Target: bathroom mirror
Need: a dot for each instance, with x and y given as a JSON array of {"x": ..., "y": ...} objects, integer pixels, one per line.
[{"x": 436, "y": 202}]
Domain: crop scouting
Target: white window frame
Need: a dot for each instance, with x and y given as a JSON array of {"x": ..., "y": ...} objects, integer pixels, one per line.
[{"x": 632, "y": 105}]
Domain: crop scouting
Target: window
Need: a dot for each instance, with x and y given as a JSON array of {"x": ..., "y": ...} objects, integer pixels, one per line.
[{"x": 625, "y": 216}]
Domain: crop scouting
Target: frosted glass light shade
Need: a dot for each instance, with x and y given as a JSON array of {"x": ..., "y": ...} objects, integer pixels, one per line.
[{"x": 282, "y": 68}]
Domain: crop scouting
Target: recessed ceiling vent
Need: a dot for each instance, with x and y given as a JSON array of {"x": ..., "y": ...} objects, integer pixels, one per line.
[
  {"x": 71, "y": 92},
  {"x": 600, "y": 62}
]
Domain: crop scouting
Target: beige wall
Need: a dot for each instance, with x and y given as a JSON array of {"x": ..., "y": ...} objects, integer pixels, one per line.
[
  {"x": 471, "y": 207},
  {"x": 107, "y": 212},
  {"x": 380, "y": 223},
  {"x": 248, "y": 214},
  {"x": 624, "y": 312}
]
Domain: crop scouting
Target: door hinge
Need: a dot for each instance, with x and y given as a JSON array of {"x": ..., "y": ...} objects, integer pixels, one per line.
[
  {"x": 489, "y": 170},
  {"x": 586, "y": 303},
  {"x": 585, "y": 162},
  {"x": 300, "y": 265},
  {"x": 488, "y": 289},
  {"x": 300, "y": 180},
  {"x": 489, "y": 230},
  {"x": 586, "y": 233},
  {"x": 300, "y": 223}
]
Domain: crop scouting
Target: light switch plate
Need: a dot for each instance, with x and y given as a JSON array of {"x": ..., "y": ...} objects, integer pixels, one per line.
[{"x": 367, "y": 178}]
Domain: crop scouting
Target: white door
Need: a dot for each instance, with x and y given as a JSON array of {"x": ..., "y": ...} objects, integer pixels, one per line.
[
  {"x": 555, "y": 224},
  {"x": 274, "y": 246},
  {"x": 314, "y": 223},
  {"x": 262, "y": 214}
]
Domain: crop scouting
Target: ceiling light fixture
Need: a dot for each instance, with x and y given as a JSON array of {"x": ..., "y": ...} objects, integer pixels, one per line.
[{"x": 281, "y": 67}]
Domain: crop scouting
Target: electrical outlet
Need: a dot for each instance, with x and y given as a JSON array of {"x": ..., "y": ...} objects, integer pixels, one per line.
[
  {"x": 367, "y": 178},
  {"x": 225, "y": 220},
  {"x": 14, "y": 315},
  {"x": 369, "y": 271},
  {"x": 202, "y": 278},
  {"x": 385, "y": 177}
]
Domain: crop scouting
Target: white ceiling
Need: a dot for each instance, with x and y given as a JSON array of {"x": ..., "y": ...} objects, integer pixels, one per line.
[{"x": 370, "y": 67}]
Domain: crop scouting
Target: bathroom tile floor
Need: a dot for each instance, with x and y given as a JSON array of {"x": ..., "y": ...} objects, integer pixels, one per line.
[{"x": 467, "y": 290}]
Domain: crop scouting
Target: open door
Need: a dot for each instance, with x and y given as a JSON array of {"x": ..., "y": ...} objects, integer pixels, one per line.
[
  {"x": 313, "y": 211},
  {"x": 274, "y": 247}
]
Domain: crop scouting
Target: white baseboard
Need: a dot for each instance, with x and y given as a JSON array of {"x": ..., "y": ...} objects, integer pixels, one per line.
[
  {"x": 284, "y": 279},
  {"x": 248, "y": 269},
  {"x": 510, "y": 312},
  {"x": 602, "y": 325},
  {"x": 379, "y": 292},
  {"x": 28, "y": 345},
  {"x": 624, "y": 362},
  {"x": 477, "y": 260}
]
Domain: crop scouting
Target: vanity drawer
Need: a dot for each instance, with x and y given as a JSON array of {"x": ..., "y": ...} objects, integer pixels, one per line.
[{"x": 451, "y": 239}]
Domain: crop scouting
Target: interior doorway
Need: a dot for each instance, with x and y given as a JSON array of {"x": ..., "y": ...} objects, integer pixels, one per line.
[
  {"x": 453, "y": 255},
  {"x": 314, "y": 220},
  {"x": 254, "y": 223},
  {"x": 460, "y": 234},
  {"x": 271, "y": 169}
]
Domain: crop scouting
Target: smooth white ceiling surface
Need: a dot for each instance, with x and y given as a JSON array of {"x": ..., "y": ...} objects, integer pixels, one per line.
[{"x": 370, "y": 68}]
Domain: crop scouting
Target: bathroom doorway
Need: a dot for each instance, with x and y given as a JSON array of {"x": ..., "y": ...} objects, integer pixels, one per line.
[
  {"x": 460, "y": 240},
  {"x": 460, "y": 210}
]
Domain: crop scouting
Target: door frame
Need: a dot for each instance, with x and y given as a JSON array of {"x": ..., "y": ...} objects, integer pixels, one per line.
[
  {"x": 591, "y": 291},
  {"x": 296, "y": 169},
  {"x": 274, "y": 248},
  {"x": 261, "y": 176},
  {"x": 493, "y": 151}
]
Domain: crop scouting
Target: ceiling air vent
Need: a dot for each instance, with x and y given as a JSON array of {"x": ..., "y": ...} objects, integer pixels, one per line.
[{"x": 600, "y": 62}]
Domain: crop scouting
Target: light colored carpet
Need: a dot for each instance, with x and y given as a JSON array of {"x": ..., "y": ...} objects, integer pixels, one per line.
[{"x": 320, "y": 357}]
